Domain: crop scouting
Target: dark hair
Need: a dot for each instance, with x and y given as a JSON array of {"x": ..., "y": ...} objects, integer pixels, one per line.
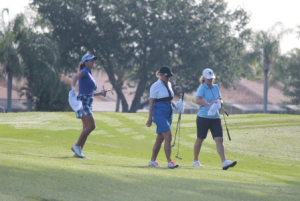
[{"x": 80, "y": 66}]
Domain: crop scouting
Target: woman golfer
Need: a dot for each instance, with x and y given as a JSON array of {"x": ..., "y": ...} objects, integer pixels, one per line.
[
  {"x": 161, "y": 113},
  {"x": 87, "y": 86},
  {"x": 206, "y": 95}
]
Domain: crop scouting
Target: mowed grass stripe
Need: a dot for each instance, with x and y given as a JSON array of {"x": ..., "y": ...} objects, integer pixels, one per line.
[{"x": 37, "y": 163}]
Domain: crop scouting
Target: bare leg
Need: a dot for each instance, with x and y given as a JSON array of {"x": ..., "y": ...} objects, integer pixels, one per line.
[
  {"x": 220, "y": 147},
  {"x": 197, "y": 147},
  {"x": 156, "y": 146},
  {"x": 168, "y": 138},
  {"x": 88, "y": 123}
]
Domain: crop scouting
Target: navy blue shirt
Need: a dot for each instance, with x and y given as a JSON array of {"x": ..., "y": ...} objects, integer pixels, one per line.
[{"x": 87, "y": 84}]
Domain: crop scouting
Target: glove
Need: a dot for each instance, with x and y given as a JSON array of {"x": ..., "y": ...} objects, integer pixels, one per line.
[
  {"x": 72, "y": 92},
  {"x": 214, "y": 108},
  {"x": 73, "y": 102},
  {"x": 180, "y": 106}
]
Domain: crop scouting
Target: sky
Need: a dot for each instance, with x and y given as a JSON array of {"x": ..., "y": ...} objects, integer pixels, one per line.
[{"x": 264, "y": 14}]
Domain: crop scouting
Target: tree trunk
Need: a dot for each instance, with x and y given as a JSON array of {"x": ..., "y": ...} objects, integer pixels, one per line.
[
  {"x": 9, "y": 91},
  {"x": 117, "y": 104},
  {"x": 266, "y": 90},
  {"x": 136, "y": 103},
  {"x": 111, "y": 77}
]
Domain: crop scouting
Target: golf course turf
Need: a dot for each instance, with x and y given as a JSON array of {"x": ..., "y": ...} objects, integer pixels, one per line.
[{"x": 37, "y": 164}]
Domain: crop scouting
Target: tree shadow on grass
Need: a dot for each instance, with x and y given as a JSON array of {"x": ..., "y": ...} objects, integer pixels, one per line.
[{"x": 50, "y": 184}]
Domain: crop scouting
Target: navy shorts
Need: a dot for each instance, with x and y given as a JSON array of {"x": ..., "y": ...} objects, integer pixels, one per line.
[
  {"x": 87, "y": 101},
  {"x": 205, "y": 124}
]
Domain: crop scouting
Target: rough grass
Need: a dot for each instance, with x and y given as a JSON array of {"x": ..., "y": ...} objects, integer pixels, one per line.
[{"x": 37, "y": 163}]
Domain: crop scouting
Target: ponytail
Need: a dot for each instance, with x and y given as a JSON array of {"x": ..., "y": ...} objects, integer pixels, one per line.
[
  {"x": 80, "y": 66},
  {"x": 201, "y": 80}
]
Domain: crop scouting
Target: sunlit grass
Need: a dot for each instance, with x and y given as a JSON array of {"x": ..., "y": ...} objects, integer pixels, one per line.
[{"x": 37, "y": 163}]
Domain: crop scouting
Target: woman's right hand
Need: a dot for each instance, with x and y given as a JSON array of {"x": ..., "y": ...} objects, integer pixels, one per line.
[
  {"x": 210, "y": 104},
  {"x": 149, "y": 123}
]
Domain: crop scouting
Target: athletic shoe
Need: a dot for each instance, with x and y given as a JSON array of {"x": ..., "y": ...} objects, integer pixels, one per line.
[
  {"x": 76, "y": 156},
  {"x": 172, "y": 165},
  {"x": 197, "y": 164},
  {"x": 77, "y": 151},
  {"x": 227, "y": 164},
  {"x": 154, "y": 164}
]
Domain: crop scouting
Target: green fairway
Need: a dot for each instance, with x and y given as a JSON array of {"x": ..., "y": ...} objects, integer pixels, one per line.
[{"x": 37, "y": 163}]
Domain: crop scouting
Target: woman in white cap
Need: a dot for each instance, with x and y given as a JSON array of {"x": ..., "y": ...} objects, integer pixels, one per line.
[
  {"x": 161, "y": 113},
  {"x": 87, "y": 87},
  {"x": 207, "y": 95}
]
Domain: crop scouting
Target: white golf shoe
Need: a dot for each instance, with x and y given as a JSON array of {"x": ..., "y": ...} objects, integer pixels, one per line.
[
  {"x": 197, "y": 164},
  {"x": 227, "y": 164},
  {"x": 77, "y": 151},
  {"x": 153, "y": 164},
  {"x": 76, "y": 156},
  {"x": 172, "y": 165}
]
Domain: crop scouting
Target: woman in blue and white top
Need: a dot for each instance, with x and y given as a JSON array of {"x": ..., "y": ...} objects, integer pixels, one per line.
[
  {"x": 87, "y": 85},
  {"x": 161, "y": 113},
  {"x": 206, "y": 95}
]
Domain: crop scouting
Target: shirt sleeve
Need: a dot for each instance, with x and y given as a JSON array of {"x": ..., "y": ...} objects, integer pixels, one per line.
[
  {"x": 200, "y": 91},
  {"x": 153, "y": 91},
  {"x": 84, "y": 72}
]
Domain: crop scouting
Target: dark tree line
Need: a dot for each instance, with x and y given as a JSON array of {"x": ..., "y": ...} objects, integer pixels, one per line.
[{"x": 134, "y": 38}]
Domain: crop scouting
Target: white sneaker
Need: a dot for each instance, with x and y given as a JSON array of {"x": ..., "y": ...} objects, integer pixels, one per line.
[
  {"x": 172, "y": 165},
  {"x": 76, "y": 156},
  {"x": 227, "y": 164},
  {"x": 197, "y": 164},
  {"x": 77, "y": 151},
  {"x": 154, "y": 164}
]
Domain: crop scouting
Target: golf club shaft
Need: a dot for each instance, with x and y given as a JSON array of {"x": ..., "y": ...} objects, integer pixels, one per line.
[
  {"x": 179, "y": 117},
  {"x": 178, "y": 123},
  {"x": 226, "y": 124}
]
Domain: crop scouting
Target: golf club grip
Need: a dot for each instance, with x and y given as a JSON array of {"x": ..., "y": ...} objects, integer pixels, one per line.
[{"x": 182, "y": 96}]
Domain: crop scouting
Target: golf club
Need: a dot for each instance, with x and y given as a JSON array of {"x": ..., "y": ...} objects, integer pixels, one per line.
[
  {"x": 178, "y": 130},
  {"x": 111, "y": 90},
  {"x": 224, "y": 111},
  {"x": 178, "y": 144}
]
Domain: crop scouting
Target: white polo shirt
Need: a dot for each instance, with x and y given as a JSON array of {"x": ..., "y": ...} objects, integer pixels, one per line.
[{"x": 159, "y": 90}]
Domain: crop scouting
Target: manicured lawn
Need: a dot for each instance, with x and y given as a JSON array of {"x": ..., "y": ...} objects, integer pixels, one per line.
[{"x": 36, "y": 163}]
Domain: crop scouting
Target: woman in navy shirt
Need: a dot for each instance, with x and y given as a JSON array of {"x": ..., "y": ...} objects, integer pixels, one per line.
[
  {"x": 87, "y": 86},
  {"x": 206, "y": 95},
  {"x": 161, "y": 113}
]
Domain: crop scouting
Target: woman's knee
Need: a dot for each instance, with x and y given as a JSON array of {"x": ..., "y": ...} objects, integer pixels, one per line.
[
  {"x": 199, "y": 140},
  {"x": 92, "y": 127},
  {"x": 167, "y": 137},
  {"x": 218, "y": 140}
]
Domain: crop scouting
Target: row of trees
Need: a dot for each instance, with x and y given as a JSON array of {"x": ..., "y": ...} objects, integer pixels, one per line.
[{"x": 133, "y": 39}]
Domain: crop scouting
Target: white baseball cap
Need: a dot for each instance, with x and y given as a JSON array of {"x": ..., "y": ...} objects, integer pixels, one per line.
[{"x": 208, "y": 73}]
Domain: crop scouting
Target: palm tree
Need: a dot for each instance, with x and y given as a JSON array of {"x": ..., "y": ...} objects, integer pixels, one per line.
[
  {"x": 40, "y": 58},
  {"x": 265, "y": 49},
  {"x": 9, "y": 58}
]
